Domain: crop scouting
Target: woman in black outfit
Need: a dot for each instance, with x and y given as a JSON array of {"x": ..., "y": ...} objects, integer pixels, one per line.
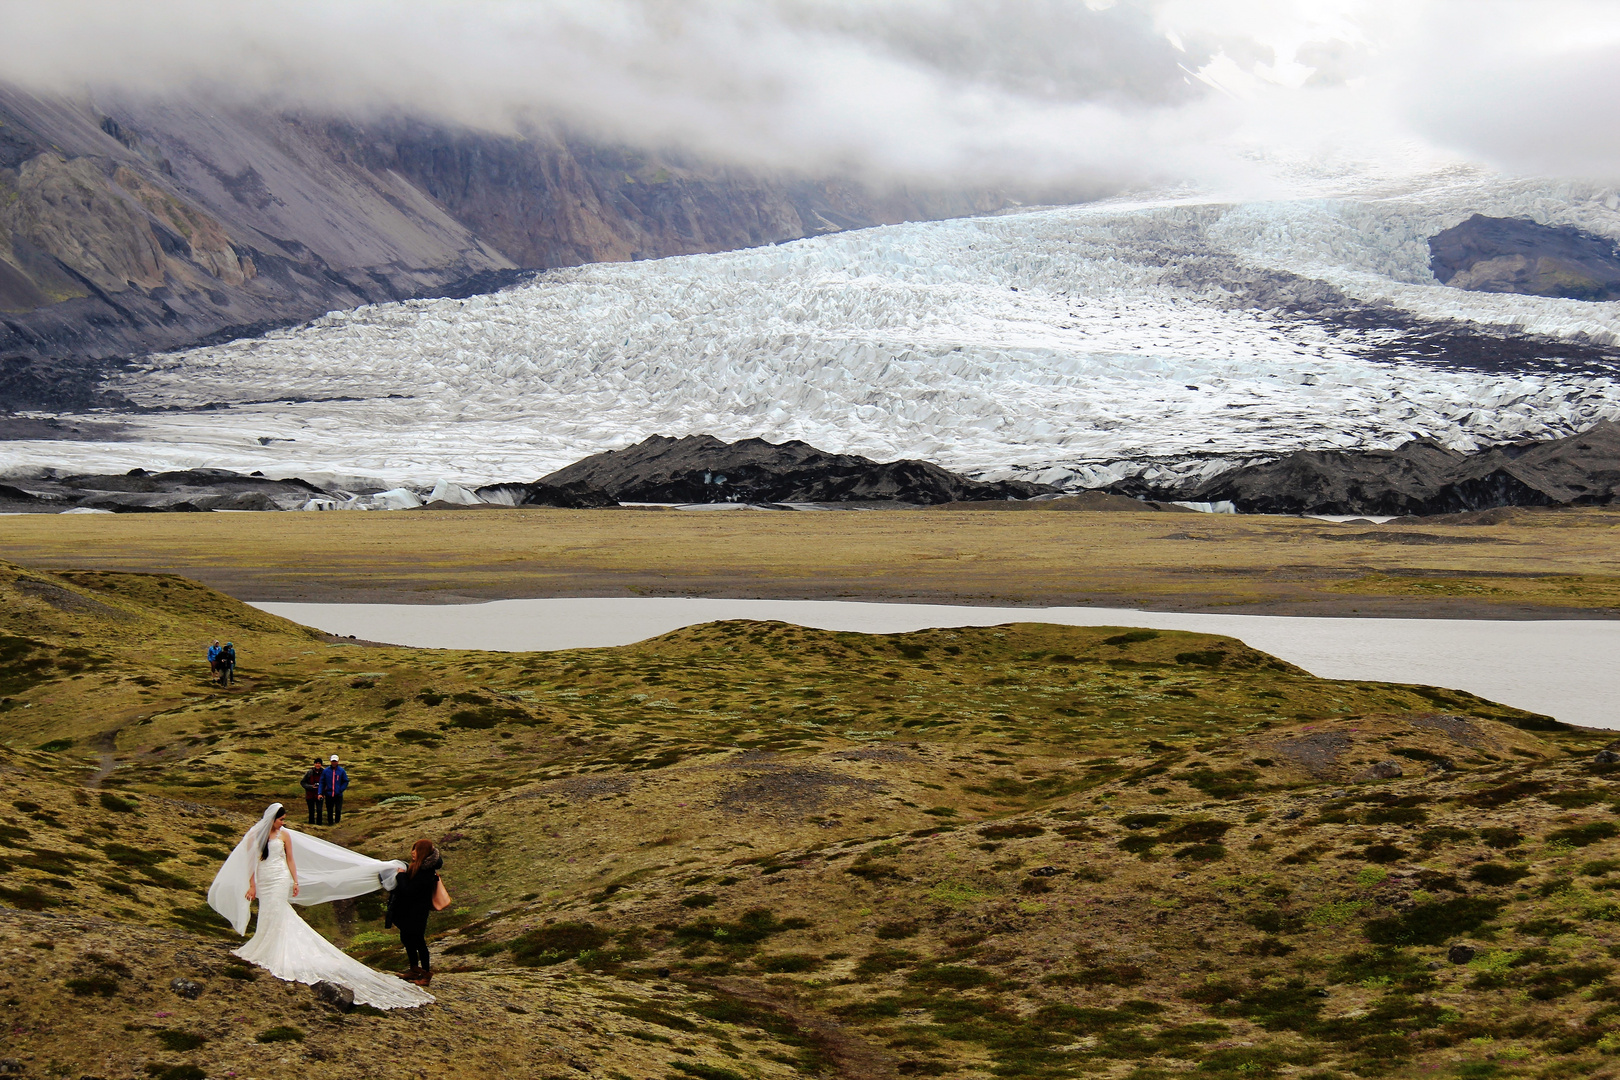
[{"x": 409, "y": 905}]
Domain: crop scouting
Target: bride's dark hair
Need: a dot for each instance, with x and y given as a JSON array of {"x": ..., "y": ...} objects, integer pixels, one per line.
[{"x": 264, "y": 850}]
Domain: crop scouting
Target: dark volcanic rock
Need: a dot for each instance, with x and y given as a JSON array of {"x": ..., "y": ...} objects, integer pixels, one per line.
[
  {"x": 1418, "y": 479},
  {"x": 1515, "y": 255},
  {"x": 186, "y": 988},
  {"x": 338, "y": 997},
  {"x": 539, "y": 493},
  {"x": 141, "y": 492},
  {"x": 1383, "y": 770},
  {"x": 703, "y": 469}
]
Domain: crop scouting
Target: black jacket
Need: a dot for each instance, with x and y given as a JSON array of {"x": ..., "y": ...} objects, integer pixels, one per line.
[
  {"x": 412, "y": 898},
  {"x": 311, "y": 783}
]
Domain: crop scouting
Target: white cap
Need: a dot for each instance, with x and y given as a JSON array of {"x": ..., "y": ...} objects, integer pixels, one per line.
[{"x": 334, "y": 757}]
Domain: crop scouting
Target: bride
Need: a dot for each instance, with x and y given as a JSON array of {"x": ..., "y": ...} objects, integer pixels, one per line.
[{"x": 281, "y": 867}]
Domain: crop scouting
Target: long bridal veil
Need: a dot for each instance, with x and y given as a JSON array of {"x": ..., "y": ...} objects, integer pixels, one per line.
[{"x": 326, "y": 872}]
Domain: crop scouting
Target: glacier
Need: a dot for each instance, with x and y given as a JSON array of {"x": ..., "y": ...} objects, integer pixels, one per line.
[{"x": 1172, "y": 336}]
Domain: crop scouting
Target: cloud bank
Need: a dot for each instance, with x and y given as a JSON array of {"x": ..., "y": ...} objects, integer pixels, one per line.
[{"x": 1024, "y": 93}]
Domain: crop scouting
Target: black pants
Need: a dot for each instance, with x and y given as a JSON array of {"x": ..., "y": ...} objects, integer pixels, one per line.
[
  {"x": 227, "y": 674},
  {"x": 334, "y": 809},
  {"x": 314, "y": 810},
  {"x": 413, "y": 935}
]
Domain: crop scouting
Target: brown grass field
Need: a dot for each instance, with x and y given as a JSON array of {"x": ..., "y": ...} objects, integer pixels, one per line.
[{"x": 1536, "y": 564}]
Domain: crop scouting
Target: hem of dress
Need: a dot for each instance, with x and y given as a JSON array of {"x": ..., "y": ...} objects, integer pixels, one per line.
[{"x": 311, "y": 982}]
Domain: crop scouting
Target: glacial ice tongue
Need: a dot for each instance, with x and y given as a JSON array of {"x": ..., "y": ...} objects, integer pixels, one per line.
[{"x": 1072, "y": 345}]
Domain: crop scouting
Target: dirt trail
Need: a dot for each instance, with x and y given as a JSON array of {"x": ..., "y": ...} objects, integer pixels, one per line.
[
  {"x": 106, "y": 746},
  {"x": 856, "y": 1058}
]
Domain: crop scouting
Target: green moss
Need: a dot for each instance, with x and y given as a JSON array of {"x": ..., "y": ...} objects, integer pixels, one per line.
[
  {"x": 28, "y": 898},
  {"x": 1433, "y": 923},
  {"x": 93, "y": 986},
  {"x": 884, "y": 961},
  {"x": 159, "y": 1071},
  {"x": 1496, "y": 875},
  {"x": 557, "y": 943},
  {"x": 952, "y": 976},
  {"x": 1583, "y": 835},
  {"x": 787, "y": 962},
  {"x": 179, "y": 1041}
]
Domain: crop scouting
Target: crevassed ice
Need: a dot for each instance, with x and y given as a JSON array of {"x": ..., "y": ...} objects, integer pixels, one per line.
[{"x": 1073, "y": 344}]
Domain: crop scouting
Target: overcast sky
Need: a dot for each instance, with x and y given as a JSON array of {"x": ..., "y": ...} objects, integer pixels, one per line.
[{"x": 1022, "y": 92}]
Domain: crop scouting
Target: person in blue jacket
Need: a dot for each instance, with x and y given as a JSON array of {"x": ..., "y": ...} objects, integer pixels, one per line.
[
  {"x": 213, "y": 661},
  {"x": 334, "y": 781}
]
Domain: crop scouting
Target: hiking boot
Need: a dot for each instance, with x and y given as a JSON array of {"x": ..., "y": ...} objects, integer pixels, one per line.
[
  {"x": 427, "y": 977},
  {"x": 413, "y": 975}
]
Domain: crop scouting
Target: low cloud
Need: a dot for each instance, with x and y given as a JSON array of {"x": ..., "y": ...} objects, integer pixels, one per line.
[{"x": 1033, "y": 94}]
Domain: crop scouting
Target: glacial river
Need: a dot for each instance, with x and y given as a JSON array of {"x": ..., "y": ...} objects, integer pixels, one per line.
[{"x": 1569, "y": 669}]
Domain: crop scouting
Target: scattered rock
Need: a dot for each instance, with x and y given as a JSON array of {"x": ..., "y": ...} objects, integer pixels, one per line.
[
  {"x": 1460, "y": 954},
  {"x": 11, "y": 1067},
  {"x": 338, "y": 997},
  {"x": 1607, "y": 757},
  {"x": 1383, "y": 770},
  {"x": 186, "y": 988},
  {"x": 1045, "y": 871}
]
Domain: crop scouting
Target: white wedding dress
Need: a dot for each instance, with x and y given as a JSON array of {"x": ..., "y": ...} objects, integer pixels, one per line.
[{"x": 283, "y": 943}]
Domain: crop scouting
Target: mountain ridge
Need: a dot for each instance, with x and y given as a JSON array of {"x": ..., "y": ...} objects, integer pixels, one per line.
[{"x": 130, "y": 226}]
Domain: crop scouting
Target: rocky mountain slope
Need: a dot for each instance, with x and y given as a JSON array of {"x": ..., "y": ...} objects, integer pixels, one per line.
[
  {"x": 704, "y": 469},
  {"x": 130, "y": 225},
  {"x": 1517, "y": 255},
  {"x": 750, "y": 850},
  {"x": 1418, "y": 478}
]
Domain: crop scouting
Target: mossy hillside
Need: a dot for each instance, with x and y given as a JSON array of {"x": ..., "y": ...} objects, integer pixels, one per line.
[
  {"x": 733, "y": 804},
  {"x": 416, "y": 721},
  {"x": 1120, "y": 929},
  {"x": 94, "y": 994}
]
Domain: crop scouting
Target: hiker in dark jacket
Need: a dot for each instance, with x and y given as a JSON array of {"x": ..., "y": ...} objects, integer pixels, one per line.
[
  {"x": 334, "y": 782},
  {"x": 311, "y": 783},
  {"x": 410, "y": 904},
  {"x": 227, "y": 665}
]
